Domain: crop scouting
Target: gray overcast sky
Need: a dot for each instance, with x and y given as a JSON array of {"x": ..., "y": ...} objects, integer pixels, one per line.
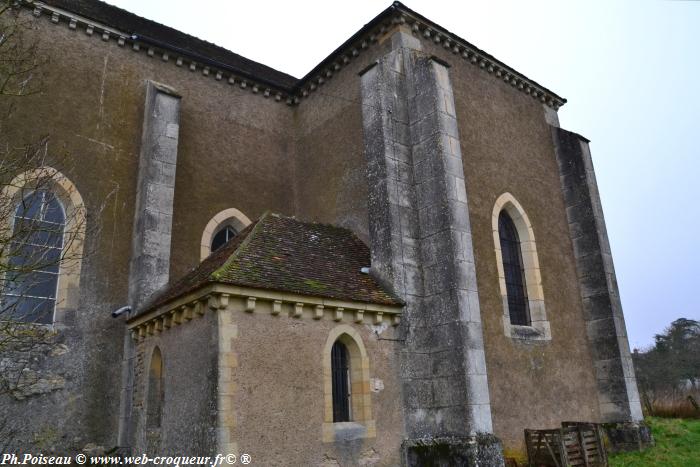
[{"x": 629, "y": 69}]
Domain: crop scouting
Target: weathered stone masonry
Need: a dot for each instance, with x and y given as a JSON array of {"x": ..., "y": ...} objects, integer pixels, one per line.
[
  {"x": 150, "y": 263},
  {"x": 421, "y": 245},
  {"x": 153, "y": 217},
  {"x": 618, "y": 396},
  {"x": 607, "y": 335}
]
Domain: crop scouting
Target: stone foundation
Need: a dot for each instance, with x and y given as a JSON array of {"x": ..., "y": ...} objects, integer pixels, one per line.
[
  {"x": 483, "y": 450},
  {"x": 627, "y": 436}
]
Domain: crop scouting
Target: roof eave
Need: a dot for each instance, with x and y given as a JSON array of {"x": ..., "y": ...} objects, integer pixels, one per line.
[
  {"x": 218, "y": 296},
  {"x": 398, "y": 13},
  {"x": 403, "y": 8}
]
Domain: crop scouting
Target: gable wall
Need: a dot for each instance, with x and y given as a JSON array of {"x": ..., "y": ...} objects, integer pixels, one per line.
[{"x": 507, "y": 147}]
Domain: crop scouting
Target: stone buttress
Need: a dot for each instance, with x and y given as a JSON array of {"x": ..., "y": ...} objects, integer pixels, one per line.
[
  {"x": 422, "y": 247},
  {"x": 618, "y": 397},
  {"x": 153, "y": 217}
]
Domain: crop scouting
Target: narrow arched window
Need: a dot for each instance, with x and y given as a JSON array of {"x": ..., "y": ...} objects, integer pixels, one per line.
[
  {"x": 347, "y": 395},
  {"x": 513, "y": 270},
  {"x": 340, "y": 369},
  {"x": 34, "y": 257},
  {"x": 154, "y": 406},
  {"x": 222, "y": 237}
]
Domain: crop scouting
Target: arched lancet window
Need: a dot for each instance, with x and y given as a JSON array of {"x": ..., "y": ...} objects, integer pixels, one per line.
[
  {"x": 154, "y": 402},
  {"x": 519, "y": 278},
  {"x": 340, "y": 367},
  {"x": 222, "y": 237},
  {"x": 220, "y": 229},
  {"x": 154, "y": 405},
  {"x": 346, "y": 384},
  {"x": 40, "y": 274},
  {"x": 514, "y": 271},
  {"x": 31, "y": 278}
]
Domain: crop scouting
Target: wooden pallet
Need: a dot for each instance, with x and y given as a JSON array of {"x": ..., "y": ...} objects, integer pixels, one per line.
[
  {"x": 591, "y": 446},
  {"x": 573, "y": 445}
]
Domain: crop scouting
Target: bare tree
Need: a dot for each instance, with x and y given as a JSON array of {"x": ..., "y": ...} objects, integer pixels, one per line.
[{"x": 20, "y": 61}]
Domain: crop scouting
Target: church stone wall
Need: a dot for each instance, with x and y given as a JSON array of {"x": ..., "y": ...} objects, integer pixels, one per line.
[
  {"x": 232, "y": 152},
  {"x": 92, "y": 135},
  {"x": 421, "y": 241},
  {"x": 234, "y": 146},
  {"x": 235, "y": 152},
  {"x": 188, "y": 424},
  {"x": 331, "y": 178},
  {"x": 507, "y": 147},
  {"x": 278, "y": 397}
]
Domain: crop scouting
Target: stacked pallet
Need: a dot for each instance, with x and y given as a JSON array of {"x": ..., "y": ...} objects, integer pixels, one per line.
[{"x": 575, "y": 444}]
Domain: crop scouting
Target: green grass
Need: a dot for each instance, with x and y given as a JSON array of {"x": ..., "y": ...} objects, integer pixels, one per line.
[{"x": 677, "y": 445}]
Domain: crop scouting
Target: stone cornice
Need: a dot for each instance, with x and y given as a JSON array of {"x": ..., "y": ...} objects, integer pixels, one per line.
[
  {"x": 396, "y": 15},
  {"x": 467, "y": 51},
  {"x": 167, "y": 53},
  {"x": 217, "y": 297}
]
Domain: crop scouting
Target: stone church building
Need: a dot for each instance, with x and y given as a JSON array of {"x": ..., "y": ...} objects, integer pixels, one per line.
[{"x": 399, "y": 257}]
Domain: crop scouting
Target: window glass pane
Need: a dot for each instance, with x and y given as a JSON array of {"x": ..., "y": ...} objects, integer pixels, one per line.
[
  {"x": 53, "y": 212},
  {"x": 42, "y": 233},
  {"x": 11, "y": 284},
  {"x": 221, "y": 237},
  {"x": 341, "y": 382},
  {"x": 33, "y": 260},
  {"x": 31, "y": 284},
  {"x": 513, "y": 270},
  {"x": 154, "y": 404},
  {"x": 27, "y": 309},
  {"x": 27, "y": 257},
  {"x": 30, "y": 207},
  {"x": 41, "y": 284}
]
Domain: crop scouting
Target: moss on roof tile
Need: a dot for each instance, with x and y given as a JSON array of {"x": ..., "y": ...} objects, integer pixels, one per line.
[{"x": 284, "y": 254}]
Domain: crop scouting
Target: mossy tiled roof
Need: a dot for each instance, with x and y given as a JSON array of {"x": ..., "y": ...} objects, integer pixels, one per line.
[{"x": 284, "y": 254}]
